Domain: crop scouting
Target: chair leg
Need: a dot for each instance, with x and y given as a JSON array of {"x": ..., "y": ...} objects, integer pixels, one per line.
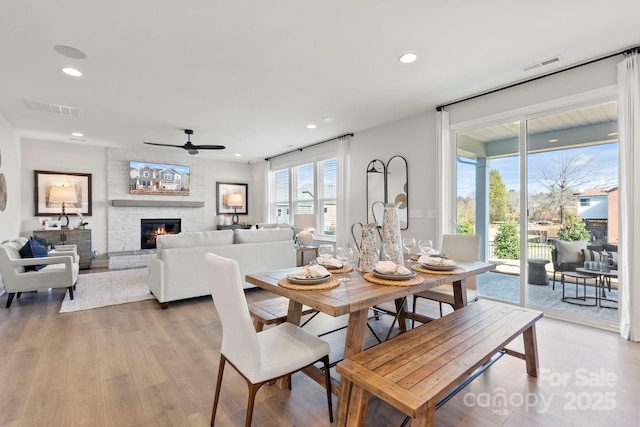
[
  {"x": 327, "y": 382},
  {"x": 218, "y": 384},
  {"x": 440, "y": 303},
  {"x": 19, "y": 294},
  {"x": 70, "y": 292},
  {"x": 9, "y": 299},
  {"x": 413, "y": 310},
  {"x": 553, "y": 288},
  {"x": 253, "y": 389}
]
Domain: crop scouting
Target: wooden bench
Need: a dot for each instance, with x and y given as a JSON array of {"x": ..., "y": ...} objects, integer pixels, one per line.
[
  {"x": 272, "y": 311},
  {"x": 414, "y": 370}
]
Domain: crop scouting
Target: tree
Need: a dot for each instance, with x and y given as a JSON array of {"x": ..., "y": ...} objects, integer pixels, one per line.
[
  {"x": 573, "y": 229},
  {"x": 507, "y": 241},
  {"x": 497, "y": 197},
  {"x": 561, "y": 176},
  {"x": 466, "y": 226}
]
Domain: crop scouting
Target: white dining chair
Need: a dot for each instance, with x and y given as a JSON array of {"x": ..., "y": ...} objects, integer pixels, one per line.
[
  {"x": 260, "y": 357},
  {"x": 457, "y": 247}
]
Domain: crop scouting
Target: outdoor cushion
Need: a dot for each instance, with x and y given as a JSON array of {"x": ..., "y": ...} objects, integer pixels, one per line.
[
  {"x": 570, "y": 252},
  {"x": 591, "y": 255}
]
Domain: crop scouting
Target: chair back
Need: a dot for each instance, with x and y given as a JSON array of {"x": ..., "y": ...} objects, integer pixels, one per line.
[
  {"x": 239, "y": 339},
  {"x": 462, "y": 248}
]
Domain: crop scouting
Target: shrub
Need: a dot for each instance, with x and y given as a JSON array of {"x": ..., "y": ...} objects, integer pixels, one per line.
[
  {"x": 573, "y": 229},
  {"x": 507, "y": 241},
  {"x": 466, "y": 227}
]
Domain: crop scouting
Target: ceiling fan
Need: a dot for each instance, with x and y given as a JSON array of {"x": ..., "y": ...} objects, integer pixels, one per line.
[{"x": 191, "y": 148}]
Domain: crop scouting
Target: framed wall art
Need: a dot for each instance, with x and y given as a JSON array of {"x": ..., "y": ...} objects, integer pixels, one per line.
[
  {"x": 55, "y": 190},
  {"x": 232, "y": 198}
]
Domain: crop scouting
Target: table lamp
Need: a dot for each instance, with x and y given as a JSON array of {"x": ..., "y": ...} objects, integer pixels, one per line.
[
  {"x": 304, "y": 222},
  {"x": 235, "y": 201},
  {"x": 62, "y": 194}
]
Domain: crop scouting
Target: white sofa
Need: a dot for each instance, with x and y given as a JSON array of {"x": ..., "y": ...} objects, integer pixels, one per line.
[{"x": 179, "y": 270}]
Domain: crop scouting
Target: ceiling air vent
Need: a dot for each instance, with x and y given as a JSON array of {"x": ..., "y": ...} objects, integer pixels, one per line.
[
  {"x": 53, "y": 108},
  {"x": 541, "y": 63}
]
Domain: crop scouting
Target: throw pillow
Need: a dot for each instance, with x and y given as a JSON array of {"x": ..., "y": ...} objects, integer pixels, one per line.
[
  {"x": 591, "y": 255},
  {"x": 570, "y": 252},
  {"x": 33, "y": 249}
]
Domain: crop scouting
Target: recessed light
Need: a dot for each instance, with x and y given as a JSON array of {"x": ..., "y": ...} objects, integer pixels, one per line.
[
  {"x": 329, "y": 119},
  {"x": 408, "y": 58},
  {"x": 311, "y": 126},
  {"x": 78, "y": 134},
  {"x": 238, "y": 155},
  {"x": 553, "y": 140},
  {"x": 612, "y": 134},
  {"x": 71, "y": 72}
]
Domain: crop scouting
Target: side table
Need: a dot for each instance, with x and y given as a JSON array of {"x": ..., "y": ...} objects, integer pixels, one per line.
[
  {"x": 300, "y": 250},
  {"x": 577, "y": 275},
  {"x": 603, "y": 278},
  {"x": 537, "y": 271}
]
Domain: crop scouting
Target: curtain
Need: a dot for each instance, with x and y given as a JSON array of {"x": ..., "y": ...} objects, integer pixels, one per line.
[
  {"x": 629, "y": 186},
  {"x": 343, "y": 192},
  {"x": 267, "y": 189},
  {"x": 445, "y": 191}
]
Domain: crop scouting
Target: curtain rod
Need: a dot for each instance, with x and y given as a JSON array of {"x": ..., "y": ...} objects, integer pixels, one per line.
[
  {"x": 626, "y": 51},
  {"x": 307, "y": 146}
]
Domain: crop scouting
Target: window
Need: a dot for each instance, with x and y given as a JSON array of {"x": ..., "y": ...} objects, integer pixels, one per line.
[
  {"x": 585, "y": 202},
  {"x": 308, "y": 188},
  {"x": 167, "y": 176}
]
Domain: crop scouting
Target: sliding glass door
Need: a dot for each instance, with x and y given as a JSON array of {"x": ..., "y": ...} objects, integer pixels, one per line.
[{"x": 523, "y": 184}]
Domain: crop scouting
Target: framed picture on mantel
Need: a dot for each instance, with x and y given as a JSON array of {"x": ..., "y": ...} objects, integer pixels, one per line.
[{"x": 232, "y": 198}]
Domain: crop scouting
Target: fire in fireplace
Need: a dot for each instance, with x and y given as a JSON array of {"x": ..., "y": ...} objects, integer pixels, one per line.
[{"x": 152, "y": 228}]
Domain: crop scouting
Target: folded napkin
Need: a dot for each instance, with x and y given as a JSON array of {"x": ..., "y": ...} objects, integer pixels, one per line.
[
  {"x": 430, "y": 252},
  {"x": 390, "y": 267},
  {"x": 330, "y": 262},
  {"x": 436, "y": 261},
  {"x": 310, "y": 272}
]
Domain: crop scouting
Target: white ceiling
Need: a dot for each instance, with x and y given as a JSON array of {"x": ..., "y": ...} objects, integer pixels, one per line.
[{"x": 252, "y": 74}]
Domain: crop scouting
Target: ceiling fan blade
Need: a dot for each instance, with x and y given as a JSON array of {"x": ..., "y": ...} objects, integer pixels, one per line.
[
  {"x": 163, "y": 145},
  {"x": 209, "y": 147}
]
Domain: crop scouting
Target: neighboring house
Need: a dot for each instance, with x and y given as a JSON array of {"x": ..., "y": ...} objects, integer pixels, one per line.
[{"x": 597, "y": 209}]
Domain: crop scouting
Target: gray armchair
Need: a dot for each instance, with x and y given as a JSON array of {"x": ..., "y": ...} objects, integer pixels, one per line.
[{"x": 60, "y": 271}]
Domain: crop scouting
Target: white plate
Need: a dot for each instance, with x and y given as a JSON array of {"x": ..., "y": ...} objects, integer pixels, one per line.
[
  {"x": 310, "y": 281},
  {"x": 394, "y": 276},
  {"x": 438, "y": 267}
]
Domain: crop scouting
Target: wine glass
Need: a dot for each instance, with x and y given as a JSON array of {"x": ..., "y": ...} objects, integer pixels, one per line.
[
  {"x": 409, "y": 243},
  {"x": 344, "y": 254},
  {"x": 390, "y": 251},
  {"x": 325, "y": 252},
  {"x": 425, "y": 246}
]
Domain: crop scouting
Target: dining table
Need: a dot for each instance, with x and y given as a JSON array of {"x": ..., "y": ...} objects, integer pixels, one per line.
[{"x": 355, "y": 298}]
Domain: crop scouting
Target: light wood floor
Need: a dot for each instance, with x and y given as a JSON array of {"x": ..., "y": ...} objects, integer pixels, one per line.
[{"x": 137, "y": 365}]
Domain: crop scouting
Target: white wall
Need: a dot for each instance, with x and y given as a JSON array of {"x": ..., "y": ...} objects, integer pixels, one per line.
[
  {"x": 10, "y": 168},
  {"x": 414, "y": 138}
]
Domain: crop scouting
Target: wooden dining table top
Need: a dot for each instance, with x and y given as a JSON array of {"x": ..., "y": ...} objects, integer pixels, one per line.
[{"x": 359, "y": 294}]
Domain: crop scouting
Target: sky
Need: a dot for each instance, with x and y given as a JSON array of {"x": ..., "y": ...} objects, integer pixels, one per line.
[{"x": 604, "y": 158}]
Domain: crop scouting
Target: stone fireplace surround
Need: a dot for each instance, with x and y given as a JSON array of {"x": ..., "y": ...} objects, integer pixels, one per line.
[{"x": 125, "y": 210}]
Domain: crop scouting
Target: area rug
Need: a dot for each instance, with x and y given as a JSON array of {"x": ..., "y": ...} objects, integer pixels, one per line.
[{"x": 95, "y": 290}]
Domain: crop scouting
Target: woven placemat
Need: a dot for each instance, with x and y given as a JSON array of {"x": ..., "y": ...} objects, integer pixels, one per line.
[
  {"x": 369, "y": 277},
  {"x": 346, "y": 269},
  {"x": 420, "y": 269},
  {"x": 331, "y": 283}
]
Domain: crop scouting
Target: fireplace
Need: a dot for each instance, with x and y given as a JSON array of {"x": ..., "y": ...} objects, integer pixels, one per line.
[{"x": 151, "y": 228}]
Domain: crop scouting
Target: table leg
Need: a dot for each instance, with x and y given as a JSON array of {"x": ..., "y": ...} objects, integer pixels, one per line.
[
  {"x": 401, "y": 309},
  {"x": 354, "y": 344},
  {"x": 459, "y": 295}
]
